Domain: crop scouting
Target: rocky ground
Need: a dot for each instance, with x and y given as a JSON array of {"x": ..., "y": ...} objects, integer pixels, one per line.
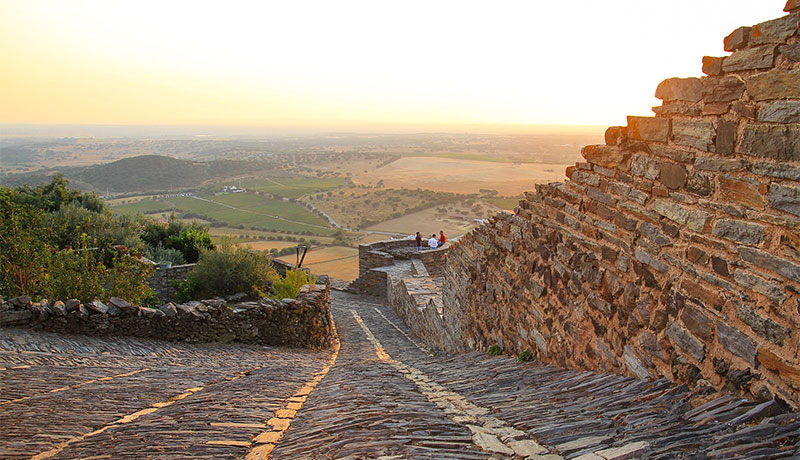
[{"x": 381, "y": 394}]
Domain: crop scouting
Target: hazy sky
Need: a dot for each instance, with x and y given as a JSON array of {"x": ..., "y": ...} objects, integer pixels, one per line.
[{"x": 347, "y": 62}]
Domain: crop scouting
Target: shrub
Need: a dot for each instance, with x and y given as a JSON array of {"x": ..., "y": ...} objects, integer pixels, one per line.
[
  {"x": 525, "y": 356},
  {"x": 127, "y": 279},
  {"x": 288, "y": 286},
  {"x": 229, "y": 269},
  {"x": 162, "y": 254},
  {"x": 495, "y": 350}
]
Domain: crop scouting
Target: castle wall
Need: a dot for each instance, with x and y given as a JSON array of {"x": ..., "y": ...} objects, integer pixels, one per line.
[{"x": 674, "y": 250}]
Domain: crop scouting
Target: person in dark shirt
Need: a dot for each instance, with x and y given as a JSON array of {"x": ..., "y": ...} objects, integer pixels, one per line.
[{"x": 419, "y": 242}]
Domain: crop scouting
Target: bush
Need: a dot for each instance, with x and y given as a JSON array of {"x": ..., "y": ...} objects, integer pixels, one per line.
[
  {"x": 230, "y": 270},
  {"x": 495, "y": 350},
  {"x": 525, "y": 356},
  {"x": 162, "y": 254},
  {"x": 288, "y": 286}
]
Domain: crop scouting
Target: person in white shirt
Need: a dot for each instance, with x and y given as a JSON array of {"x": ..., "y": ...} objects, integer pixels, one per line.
[{"x": 432, "y": 242}]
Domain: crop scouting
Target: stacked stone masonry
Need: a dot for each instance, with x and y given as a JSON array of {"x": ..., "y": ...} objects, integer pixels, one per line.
[
  {"x": 301, "y": 322},
  {"x": 674, "y": 250}
]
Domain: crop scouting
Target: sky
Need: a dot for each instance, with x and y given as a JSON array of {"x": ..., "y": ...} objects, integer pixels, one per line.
[{"x": 353, "y": 63}]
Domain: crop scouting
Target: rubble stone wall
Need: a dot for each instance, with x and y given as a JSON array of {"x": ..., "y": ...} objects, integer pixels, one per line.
[
  {"x": 161, "y": 279},
  {"x": 674, "y": 250},
  {"x": 301, "y": 322}
]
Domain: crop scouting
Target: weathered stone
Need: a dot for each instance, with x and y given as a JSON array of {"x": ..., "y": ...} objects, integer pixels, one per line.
[
  {"x": 72, "y": 305},
  {"x": 697, "y": 134},
  {"x": 672, "y": 175},
  {"x": 726, "y": 137},
  {"x": 740, "y": 192},
  {"x": 20, "y": 302},
  {"x": 685, "y": 340},
  {"x": 771, "y": 262},
  {"x": 772, "y": 362},
  {"x": 697, "y": 255},
  {"x": 698, "y": 323},
  {"x": 765, "y": 327},
  {"x": 785, "y": 198},
  {"x": 760, "y": 57},
  {"x": 12, "y": 317},
  {"x": 606, "y": 156},
  {"x": 792, "y": 6},
  {"x": 59, "y": 308},
  {"x": 720, "y": 266},
  {"x": 775, "y": 31},
  {"x": 645, "y": 166},
  {"x": 781, "y": 142},
  {"x": 97, "y": 307},
  {"x": 739, "y": 231},
  {"x": 674, "y": 153},
  {"x": 654, "y": 234},
  {"x": 723, "y": 89},
  {"x": 716, "y": 108},
  {"x": 614, "y": 135},
  {"x": 169, "y": 310},
  {"x": 634, "y": 363},
  {"x": 122, "y": 304},
  {"x": 648, "y": 128},
  {"x": 694, "y": 219},
  {"x": 647, "y": 258},
  {"x": 745, "y": 109},
  {"x": 678, "y": 109},
  {"x": 792, "y": 52},
  {"x": 737, "y": 39},
  {"x": 712, "y": 65},
  {"x": 780, "y": 112},
  {"x": 720, "y": 164},
  {"x": 790, "y": 244},
  {"x": 778, "y": 84},
  {"x": 781, "y": 171},
  {"x": 737, "y": 342},
  {"x": 680, "y": 89}
]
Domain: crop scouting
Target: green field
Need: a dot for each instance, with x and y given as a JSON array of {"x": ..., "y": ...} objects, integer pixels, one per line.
[
  {"x": 289, "y": 187},
  {"x": 236, "y": 209}
]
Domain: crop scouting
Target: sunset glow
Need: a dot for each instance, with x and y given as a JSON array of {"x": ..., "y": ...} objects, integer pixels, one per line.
[{"x": 352, "y": 62}]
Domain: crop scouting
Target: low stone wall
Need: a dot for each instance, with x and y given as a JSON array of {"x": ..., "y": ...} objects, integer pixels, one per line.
[{"x": 301, "y": 322}]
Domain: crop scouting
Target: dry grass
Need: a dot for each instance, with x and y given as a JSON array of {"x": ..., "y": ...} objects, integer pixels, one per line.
[
  {"x": 431, "y": 221},
  {"x": 335, "y": 261},
  {"x": 267, "y": 245},
  {"x": 463, "y": 176}
]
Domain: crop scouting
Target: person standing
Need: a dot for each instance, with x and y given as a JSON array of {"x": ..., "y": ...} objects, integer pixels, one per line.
[{"x": 419, "y": 242}]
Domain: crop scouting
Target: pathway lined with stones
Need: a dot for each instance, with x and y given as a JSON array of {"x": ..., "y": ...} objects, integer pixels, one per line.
[{"x": 381, "y": 395}]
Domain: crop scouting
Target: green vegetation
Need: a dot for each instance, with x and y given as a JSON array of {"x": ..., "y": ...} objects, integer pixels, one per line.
[
  {"x": 59, "y": 243},
  {"x": 525, "y": 356},
  {"x": 292, "y": 187},
  {"x": 288, "y": 287},
  {"x": 186, "y": 239},
  {"x": 495, "y": 350}
]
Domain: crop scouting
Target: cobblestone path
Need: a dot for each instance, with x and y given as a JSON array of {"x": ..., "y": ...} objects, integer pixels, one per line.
[{"x": 381, "y": 395}]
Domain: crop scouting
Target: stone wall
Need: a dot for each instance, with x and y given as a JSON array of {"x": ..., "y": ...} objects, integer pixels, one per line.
[
  {"x": 673, "y": 250},
  {"x": 301, "y": 322}
]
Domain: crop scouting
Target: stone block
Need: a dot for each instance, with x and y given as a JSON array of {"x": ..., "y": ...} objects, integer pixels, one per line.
[
  {"x": 726, "y": 137},
  {"x": 680, "y": 89},
  {"x": 737, "y": 39},
  {"x": 15, "y": 317},
  {"x": 785, "y": 198},
  {"x": 723, "y": 89},
  {"x": 737, "y": 342},
  {"x": 697, "y": 255},
  {"x": 777, "y": 84},
  {"x": 628, "y": 451},
  {"x": 645, "y": 166},
  {"x": 781, "y": 142},
  {"x": 775, "y": 31},
  {"x": 792, "y": 6},
  {"x": 750, "y": 280},
  {"x": 716, "y": 108},
  {"x": 697, "y": 134},
  {"x": 672, "y": 175},
  {"x": 771, "y": 262},
  {"x": 648, "y": 259},
  {"x": 791, "y": 52},
  {"x": 634, "y": 363},
  {"x": 649, "y": 128},
  {"x": 720, "y": 266},
  {"x": 774, "y": 363},
  {"x": 758, "y": 58},
  {"x": 712, "y": 65},
  {"x": 694, "y": 219},
  {"x": 720, "y": 164},
  {"x": 739, "y": 231},
  {"x": 698, "y": 323},
  {"x": 765, "y": 327},
  {"x": 614, "y": 135},
  {"x": 780, "y": 112},
  {"x": 679, "y": 109},
  {"x": 686, "y": 341},
  {"x": 740, "y": 192},
  {"x": 607, "y": 156}
]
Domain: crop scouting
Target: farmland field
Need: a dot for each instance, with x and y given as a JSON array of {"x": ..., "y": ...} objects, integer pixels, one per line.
[
  {"x": 426, "y": 222},
  {"x": 292, "y": 187},
  {"x": 235, "y": 209},
  {"x": 267, "y": 245},
  {"x": 463, "y": 176},
  {"x": 337, "y": 261}
]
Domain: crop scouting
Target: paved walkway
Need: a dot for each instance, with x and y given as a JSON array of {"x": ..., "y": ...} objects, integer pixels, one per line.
[{"x": 380, "y": 395}]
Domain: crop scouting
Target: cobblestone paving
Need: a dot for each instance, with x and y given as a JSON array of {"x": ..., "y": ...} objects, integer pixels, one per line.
[
  {"x": 70, "y": 397},
  {"x": 383, "y": 395}
]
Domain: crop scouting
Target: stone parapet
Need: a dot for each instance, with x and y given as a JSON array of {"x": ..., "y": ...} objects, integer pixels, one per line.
[
  {"x": 301, "y": 322},
  {"x": 673, "y": 251}
]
